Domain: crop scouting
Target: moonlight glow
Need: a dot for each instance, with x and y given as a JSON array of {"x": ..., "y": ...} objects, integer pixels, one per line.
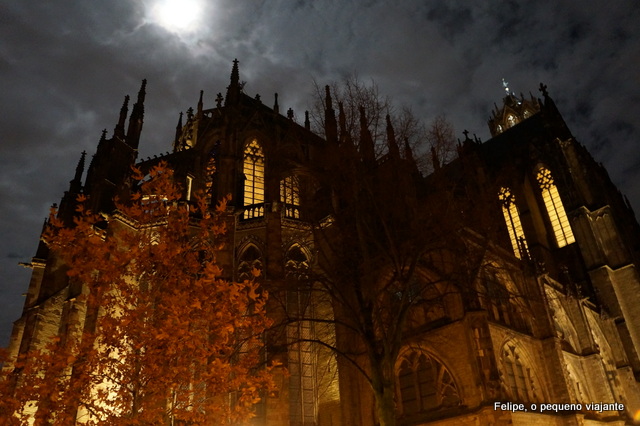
[{"x": 177, "y": 15}]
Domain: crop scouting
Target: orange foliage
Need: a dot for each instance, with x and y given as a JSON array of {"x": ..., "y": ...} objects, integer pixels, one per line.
[{"x": 163, "y": 339}]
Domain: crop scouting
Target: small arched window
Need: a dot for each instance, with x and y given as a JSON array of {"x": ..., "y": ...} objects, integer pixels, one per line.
[
  {"x": 512, "y": 219},
  {"x": 511, "y": 120},
  {"x": 253, "y": 169},
  {"x": 557, "y": 215},
  {"x": 250, "y": 259},
  {"x": 290, "y": 196},
  {"x": 425, "y": 384},
  {"x": 296, "y": 263}
]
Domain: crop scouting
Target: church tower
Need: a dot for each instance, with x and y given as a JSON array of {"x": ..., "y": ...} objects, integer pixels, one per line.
[{"x": 549, "y": 313}]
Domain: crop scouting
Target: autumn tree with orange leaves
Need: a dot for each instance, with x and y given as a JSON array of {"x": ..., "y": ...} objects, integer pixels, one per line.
[{"x": 155, "y": 335}]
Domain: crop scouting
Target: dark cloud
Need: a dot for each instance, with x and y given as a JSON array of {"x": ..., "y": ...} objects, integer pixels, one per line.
[{"x": 65, "y": 67}]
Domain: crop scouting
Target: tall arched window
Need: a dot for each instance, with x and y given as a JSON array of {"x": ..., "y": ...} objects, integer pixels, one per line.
[
  {"x": 555, "y": 209},
  {"x": 517, "y": 377},
  {"x": 290, "y": 196},
  {"x": 514, "y": 226},
  {"x": 302, "y": 353},
  {"x": 253, "y": 169},
  {"x": 425, "y": 384}
]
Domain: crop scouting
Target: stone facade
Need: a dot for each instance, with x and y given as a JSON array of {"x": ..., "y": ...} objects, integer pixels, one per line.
[{"x": 564, "y": 240}]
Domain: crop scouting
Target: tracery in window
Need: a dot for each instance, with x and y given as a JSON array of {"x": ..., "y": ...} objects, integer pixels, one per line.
[
  {"x": 290, "y": 196},
  {"x": 425, "y": 384},
  {"x": 434, "y": 307},
  {"x": 499, "y": 297},
  {"x": 302, "y": 353},
  {"x": 296, "y": 263},
  {"x": 512, "y": 219},
  {"x": 517, "y": 377},
  {"x": 250, "y": 259},
  {"x": 511, "y": 120},
  {"x": 557, "y": 215},
  {"x": 253, "y": 169}
]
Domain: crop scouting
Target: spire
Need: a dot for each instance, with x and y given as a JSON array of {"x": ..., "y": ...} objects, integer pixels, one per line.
[
  {"x": 119, "y": 130},
  {"x": 235, "y": 74},
  {"x": 435, "y": 159},
  {"x": 141, "y": 94},
  {"x": 307, "y": 123},
  {"x": 200, "y": 104},
  {"x": 543, "y": 90},
  {"x": 276, "y": 107},
  {"x": 136, "y": 118},
  {"x": 391, "y": 139},
  {"x": 330, "y": 125},
  {"x": 366, "y": 140},
  {"x": 176, "y": 139},
  {"x": 233, "y": 90},
  {"x": 69, "y": 202},
  {"x": 549, "y": 104},
  {"x": 408, "y": 154},
  {"x": 505, "y": 86},
  {"x": 75, "y": 186},
  {"x": 342, "y": 119}
]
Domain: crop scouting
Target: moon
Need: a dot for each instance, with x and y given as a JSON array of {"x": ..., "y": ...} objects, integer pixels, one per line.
[{"x": 177, "y": 15}]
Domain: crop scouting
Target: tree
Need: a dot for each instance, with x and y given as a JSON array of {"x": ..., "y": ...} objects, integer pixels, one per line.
[
  {"x": 155, "y": 335},
  {"x": 441, "y": 140},
  {"x": 392, "y": 246}
]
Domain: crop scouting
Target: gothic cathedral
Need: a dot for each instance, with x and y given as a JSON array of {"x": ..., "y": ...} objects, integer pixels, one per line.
[{"x": 555, "y": 330}]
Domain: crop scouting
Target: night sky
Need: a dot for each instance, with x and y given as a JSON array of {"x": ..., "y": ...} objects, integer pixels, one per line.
[{"x": 66, "y": 65}]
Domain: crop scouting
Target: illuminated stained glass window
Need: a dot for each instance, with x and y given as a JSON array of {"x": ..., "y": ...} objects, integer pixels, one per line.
[
  {"x": 290, "y": 196},
  {"x": 253, "y": 170},
  {"x": 555, "y": 209},
  {"x": 514, "y": 226},
  {"x": 511, "y": 120},
  {"x": 189, "y": 187}
]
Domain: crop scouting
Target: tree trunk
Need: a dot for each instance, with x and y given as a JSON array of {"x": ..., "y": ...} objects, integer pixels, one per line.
[
  {"x": 385, "y": 406},
  {"x": 382, "y": 381}
]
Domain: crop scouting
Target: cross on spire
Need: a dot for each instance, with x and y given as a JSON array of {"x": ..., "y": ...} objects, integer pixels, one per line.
[
  {"x": 543, "y": 89},
  {"x": 505, "y": 84}
]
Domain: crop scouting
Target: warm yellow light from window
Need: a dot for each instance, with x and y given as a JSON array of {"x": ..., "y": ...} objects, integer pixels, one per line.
[
  {"x": 557, "y": 215},
  {"x": 254, "y": 176},
  {"x": 189, "y": 187},
  {"x": 290, "y": 196},
  {"x": 512, "y": 218}
]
